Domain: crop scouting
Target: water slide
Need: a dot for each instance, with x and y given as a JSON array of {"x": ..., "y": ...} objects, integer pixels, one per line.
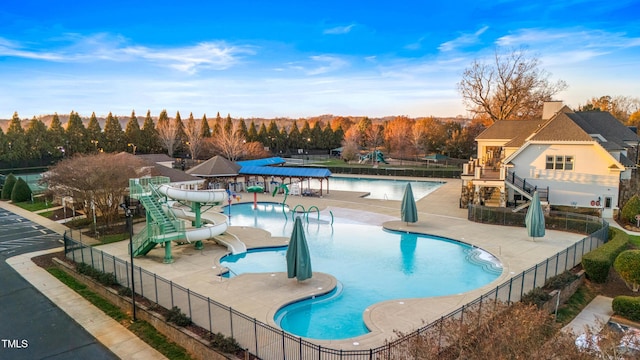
[{"x": 215, "y": 223}]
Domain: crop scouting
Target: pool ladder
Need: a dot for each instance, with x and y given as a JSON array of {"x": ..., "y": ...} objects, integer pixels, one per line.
[{"x": 306, "y": 212}]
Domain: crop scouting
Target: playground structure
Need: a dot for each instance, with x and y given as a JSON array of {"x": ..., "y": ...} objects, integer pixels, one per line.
[
  {"x": 167, "y": 210},
  {"x": 376, "y": 155}
]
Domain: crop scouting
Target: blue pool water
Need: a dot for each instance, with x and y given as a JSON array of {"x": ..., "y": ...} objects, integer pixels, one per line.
[{"x": 370, "y": 264}]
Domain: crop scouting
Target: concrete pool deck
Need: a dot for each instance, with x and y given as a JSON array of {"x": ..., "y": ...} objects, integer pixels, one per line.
[{"x": 261, "y": 295}]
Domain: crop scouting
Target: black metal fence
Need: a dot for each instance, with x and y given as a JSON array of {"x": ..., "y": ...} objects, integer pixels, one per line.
[
  {"x": 555, "y": 220},
  {"x": 435, "y": 172},
  {"x": 268, "y": 342}
]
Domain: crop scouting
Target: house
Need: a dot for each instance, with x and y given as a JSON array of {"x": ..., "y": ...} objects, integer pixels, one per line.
[{"x": 578, "y": 159}]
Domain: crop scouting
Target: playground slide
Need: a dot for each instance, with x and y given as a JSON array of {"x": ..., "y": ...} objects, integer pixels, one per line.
[{"x": 216, "y": 223}]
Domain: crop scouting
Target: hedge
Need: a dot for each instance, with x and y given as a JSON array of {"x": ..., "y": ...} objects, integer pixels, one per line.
[
  {"x": 627, "y": 307},
  {"x": 21, "y": 191},
  {"x": 9, "y": 182},
  {"x": 627, "y": 265},
  {"x": 597, "y": 263}
]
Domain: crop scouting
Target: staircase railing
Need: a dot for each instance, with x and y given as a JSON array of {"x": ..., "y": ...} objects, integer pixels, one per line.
[{"x": 528, "y": 188}]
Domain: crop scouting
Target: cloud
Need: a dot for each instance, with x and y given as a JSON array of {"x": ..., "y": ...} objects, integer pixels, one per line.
[
  {"x": 561, "y": 38},
  {"x": 338, "y": 30},
  {"x": 215, "y": 55},
  {"x": 463, "y": 40},
  {"x": 206, "y": 55},
  {"x": 319, "y": 64},
  {"x": 13, "y": 49}
]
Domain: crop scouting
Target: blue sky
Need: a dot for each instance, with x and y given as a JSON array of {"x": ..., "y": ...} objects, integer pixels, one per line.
[{"x": 298, "y": 58}]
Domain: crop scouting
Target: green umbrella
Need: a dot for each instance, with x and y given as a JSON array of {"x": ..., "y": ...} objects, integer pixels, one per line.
[
  {"x": 534, "y": 220},
  {"x": 408, "y": 210},
  {"x": 298, "y": 259}
]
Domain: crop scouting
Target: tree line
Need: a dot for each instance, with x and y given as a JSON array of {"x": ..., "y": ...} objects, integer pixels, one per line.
[{"x": 233, "y": 138}]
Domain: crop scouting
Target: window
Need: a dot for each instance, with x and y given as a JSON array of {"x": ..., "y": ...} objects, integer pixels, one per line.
[{"x": 559, "y": 162}]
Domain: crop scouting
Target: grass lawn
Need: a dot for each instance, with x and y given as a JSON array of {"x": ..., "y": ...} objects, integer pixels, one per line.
[
  {"x": 34, "y": 206},
  {"x": 142, "y": 329}
]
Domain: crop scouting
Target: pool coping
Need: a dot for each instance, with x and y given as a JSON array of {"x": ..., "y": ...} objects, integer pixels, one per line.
[{"x": 261, "y": 295}]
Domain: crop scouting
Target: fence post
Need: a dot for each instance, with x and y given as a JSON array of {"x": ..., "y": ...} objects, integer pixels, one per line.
[
  {"x": 171, "y": 288},
  {"x": 141, "y": 283},
  {"x": 189, "y": 302},
  {"x": 155, "y": 285}
]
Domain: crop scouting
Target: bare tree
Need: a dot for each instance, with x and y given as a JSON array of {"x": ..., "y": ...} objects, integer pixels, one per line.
[
  {"x": 167, "y": 132},
  {"x": 100, "y": 178},
  {"x": 621, "y": 107},
  {"x": 229, "y": 143},
  {"x": 195, "y": 140},
  {"x": 511, "y": 86},
  {"x": 494, "y": 330}
]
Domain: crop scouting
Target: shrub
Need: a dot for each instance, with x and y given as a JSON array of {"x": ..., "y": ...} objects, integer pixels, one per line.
[
  {"x": 627, "y": 307},
  {"x": 560, "y": 281},
  {"x": 125, "y": 291},
  {"x": 107, "y": 279},
  {"x": 177, "y": 317},
  {"x": 21, "y": 191},
  {"x": 597, "y": 263},
  {"x": 536, "y": 297},
  {"x": 9, "y": 182},
  {"x": 627, "y": 264},
  {"x": 225, "y": 344},
  {"x": 631, "y": 209}
]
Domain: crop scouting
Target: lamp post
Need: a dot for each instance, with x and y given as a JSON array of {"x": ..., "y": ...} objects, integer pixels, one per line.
[
  {"x": 129, "y": 216},
  {"x": 133, "y": 146}
]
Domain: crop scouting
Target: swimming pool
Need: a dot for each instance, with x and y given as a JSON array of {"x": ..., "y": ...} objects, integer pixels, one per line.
[
  {"x": 383, "y": 189},
  {"x": 370, "y": 264}
]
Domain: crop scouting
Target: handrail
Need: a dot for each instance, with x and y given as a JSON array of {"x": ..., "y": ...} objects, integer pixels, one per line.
[
  {"x": 521, "y": 184},
  {"x": 310, "y": 208},
  {"x": 293, "y": 212}
]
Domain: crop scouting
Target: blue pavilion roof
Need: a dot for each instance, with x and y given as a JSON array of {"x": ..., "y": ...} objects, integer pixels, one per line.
[{"x": 285, "y": 171}]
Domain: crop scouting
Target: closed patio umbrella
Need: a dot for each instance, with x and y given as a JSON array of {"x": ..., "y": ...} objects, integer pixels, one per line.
[
  {"x": 298, "y": 259},
  {"x": 534, "y": 220},
  {"x": 408, "y": 210}
]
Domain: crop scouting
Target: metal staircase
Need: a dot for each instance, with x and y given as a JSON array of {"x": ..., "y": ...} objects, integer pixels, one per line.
[
  {"x": 161, "y": 226},
  {"x": 521, "y": 186}
]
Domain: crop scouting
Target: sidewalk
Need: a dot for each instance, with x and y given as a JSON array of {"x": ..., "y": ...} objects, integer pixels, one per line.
[
  {"x": 594, "y": 315},
  {"x": 106, "y": 330}
]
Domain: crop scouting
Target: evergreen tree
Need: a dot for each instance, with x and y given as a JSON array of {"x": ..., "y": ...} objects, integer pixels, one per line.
[
  {"x": 306, "y": 135},
  {"x": 263, "y": 136},
  {"x": 295, "y": 138},
  {"x": 181, "y": 137},
  {"x": 76, "y": 136},
  {"x": 132, "y": 132},
  {"x": 56, "y": 136},
  {"x": 217, "y": 125},
  {"x": 16, "y": 140},
  {"x": 113, "y": 136},
  {"x": 273, "y": 133},
  {"x": 21, "y": 191},
  {"x": 149, "y": 142},
  {"x": 94, "y": 133},
  {"x": 316, "y": 137},
  {"x": 252, "y": 133},
  {"x": 205, "y": 130},
  {"x": 3, "y": 146},
  {"x": 328, "y": 138},
  {"x": 228, "y": 125},
  {"x": 36, "y": 135},
  {"x": 242, "y": 130}
]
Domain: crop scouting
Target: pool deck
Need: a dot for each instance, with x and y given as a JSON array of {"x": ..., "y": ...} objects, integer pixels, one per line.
[{"x": 261, "y": 295}]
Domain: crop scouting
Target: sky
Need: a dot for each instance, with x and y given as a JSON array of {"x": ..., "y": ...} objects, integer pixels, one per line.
[{"x": 299, "y": 59}]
